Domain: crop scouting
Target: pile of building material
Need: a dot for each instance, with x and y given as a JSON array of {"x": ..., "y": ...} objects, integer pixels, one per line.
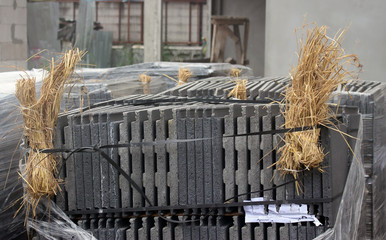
[
  {"x": 188, "y": 160},
  {"x": 94, "y": 85}
]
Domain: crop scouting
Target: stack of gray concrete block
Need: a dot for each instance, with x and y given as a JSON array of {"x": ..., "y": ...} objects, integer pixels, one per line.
[
  {"x": 257, "y": 88},
  {"x": 361, "y": 94},
  {"x": 188, "y": 181}
]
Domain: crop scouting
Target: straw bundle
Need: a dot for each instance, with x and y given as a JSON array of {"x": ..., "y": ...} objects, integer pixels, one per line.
[
  {"x": 145, "y": 79},
  {"x": 39, "y": 117},
  {"x": 235, "y": 72},
  {"x": 320, "y": 70},
  {"x": 240, "y": 90},
  {"x": 183, "y": 76}
]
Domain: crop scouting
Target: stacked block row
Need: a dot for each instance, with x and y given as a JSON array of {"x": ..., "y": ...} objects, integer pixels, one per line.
[{"x": 185, "y": 177}]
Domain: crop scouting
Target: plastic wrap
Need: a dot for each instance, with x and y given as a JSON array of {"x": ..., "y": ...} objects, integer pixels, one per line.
[
  {"x": 52, "y": 224},
  {"x": 379, "y": 164},
  {"x": 349, "y": 224}
]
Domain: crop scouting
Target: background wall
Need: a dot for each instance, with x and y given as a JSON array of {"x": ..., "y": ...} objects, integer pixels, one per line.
[
  {"x": 366, "y": 36},
  {"x": 13, "y": 34},
  {"x": 255, "y": 11}
]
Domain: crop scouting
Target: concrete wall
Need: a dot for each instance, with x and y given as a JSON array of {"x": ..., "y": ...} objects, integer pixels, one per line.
[
  {"x": 13, "y": 34},
  {"x": 255, "y": 11},
  {"x": 366, "y": 36}
]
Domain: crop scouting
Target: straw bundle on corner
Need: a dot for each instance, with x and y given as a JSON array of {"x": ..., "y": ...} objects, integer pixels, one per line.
[
  {"x": 145, "y": 79},
  {"x": 39, "y": 117},
  {"x": 320, "y": 70},
  {"x": 240, "y": 90},
  {"x": 183, "y": 76}
]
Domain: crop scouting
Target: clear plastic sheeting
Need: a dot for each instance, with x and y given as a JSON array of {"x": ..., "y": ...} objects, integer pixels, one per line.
[
  {"x": 52, "y": 223},
  {"x": 349, "y": 222},
  {"x": 379, "y": 164}
]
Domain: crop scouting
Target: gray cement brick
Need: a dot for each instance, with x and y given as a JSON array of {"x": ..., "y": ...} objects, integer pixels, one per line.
[
  {"x": 178, "y": 230},
  {"x": 96, "y": 163},
  {"x": 199, "y": 161},
  {"x": 102, "y": 233},
  {"x": 217, "y": 156},
  {"x": 204, "y": 234},
  {"x": 247, "y": 232},
  {"x": 272, "y": 232},
  {"x": 191, "y": 158},
  {"x": 229, "y": 176},
  {"x": 144, "y": 231},
  {"x": 311, "y": 231},
  {"x": 149, "y": 156},
  {"x": 241, "y": 146},
  {"x": 284, "y": 232},
  {"x": 137, "y": 157},
  {"x": 70, "y": 171},
  {"x": 208, "y": 171},
  {"x": 126, "y": 160},
  {"x": 113, "y": 129},
  {"x": 254, "y": 142},
  {"x": 105, "y": 186},
  {"x": 302, "y": 232},
  {"x": 156, "y": 230},
  {"x": 162, "y": 158},
  {"x": 173, "y": 163},
  {"x": 167, "y": 230},
  {"x": 259, "y": 231},
  {"x": 212, "y": 228},
  {"x": 182, "y": 163},
  {"x": 235, "y": 229},
  {"x": 87, "y": 167},
  {"x": 79, "y": 175},
  {"x": 222, "y": 228}
]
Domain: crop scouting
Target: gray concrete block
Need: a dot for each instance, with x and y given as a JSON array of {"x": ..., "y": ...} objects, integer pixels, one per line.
[
  {"x": 217, "y": 156},
  {"x": 311, "y": 231},
  {"x": 126, "y": 160},
  {"x": 113, "y": 130},
  {"x": 204, "y": 234},
  {"x": 167, "y": 231},
  {"x": 302, "y": 232},
  {"x": 87, "y": 167},
  {"x": 178, "y": 230},
  {"x": 79, "y": 175},
  {"x": 149, "y": 156},
  {"x": 247, "y": 232},
  {"x": 104, "y": 167},
  {"x": 156, "y": 230},
  {"x": 254, "y": 142},
  {"x": 259, "y": 231},
  {"x": 144, "y": 231},
  {"x": 208, "y": 171},
  {"x": 110, "y": 231},
  {"x": 162, "y": 158},
  {"x": 199, "y": 161},
  {"x": 212, "y": 228},
  {"x": 284, "y": 232},
  {"x": 182, "y": 163},
  {"x": 272, "y": 232},
  {"x": 96, "y": 163},
  {"x": 173, "y": 163},
  {"x": 191, "y": 161},
  {"x": 102, "y": 231},
  {"x": 222, "y": 228},
  {"x": 137, "y": 156},
  {"x": 241, "y": 146},
  {"x": 235, "y": 229},
  {"x": 229, "y": 173},
  {"x": 70, "y": 171}
]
